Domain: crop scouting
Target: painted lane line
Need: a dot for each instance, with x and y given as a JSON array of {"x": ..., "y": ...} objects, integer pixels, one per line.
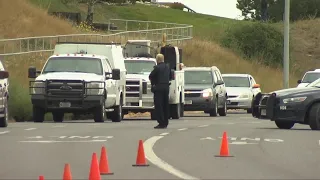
[
  {"x": 203, "y": 126},
  {"x": 163, "y": 134},
  {"x": 207, "y": 138},
  {"x": 59, "y": 126},
  {"x": 182, "y": 129},
  {"x": 29, "y": 129},
  {"x": 4, "y": 132},
  {"x": 230, "y": 123},
  {"x": 154, "y": 159},
  {"x": 241, "y": 143},
  {"x": 101, "y": 140}
]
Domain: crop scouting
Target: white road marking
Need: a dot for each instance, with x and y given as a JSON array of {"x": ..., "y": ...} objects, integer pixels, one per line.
[
  {"x": 59, "y": 126},
  {"x": 87, "y": 141},
  {"x": 35, "y": 137},
  {"x": 29, "y": 129},
  {"x": 182, "y": 129},
  {"x": 154, "y": 159},
  {"x": 241, "y": 143},
  {"x": 82, "y": 137},
  {"x": 4, "y": 132},
  {"x": 207, "y": 138},
  {"x": 203, "y": 126},
  {"x": 163, "y": 134},
  {"x": 230, "y": 123}
]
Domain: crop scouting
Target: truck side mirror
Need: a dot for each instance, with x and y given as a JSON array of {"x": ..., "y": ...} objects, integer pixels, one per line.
[
  {"x": 116, "y": 74},
  {"x": 32, "y": 72},
  {"x": 144, "y": 87},
  {"x": 4, "y": 74}
]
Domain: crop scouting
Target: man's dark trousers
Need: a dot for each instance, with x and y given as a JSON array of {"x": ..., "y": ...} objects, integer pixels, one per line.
[{"x": 161, "y": 102}]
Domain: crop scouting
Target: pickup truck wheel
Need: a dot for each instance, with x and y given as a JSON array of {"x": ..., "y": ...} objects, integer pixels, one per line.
[
  {"x": 58, "y": 116},
  {"x": 117, "y": 114},
  {"x": 4, "y": 120},
  {"x": 223, "y": 111},
  {"x": 284, "y": 124},
  {"x": 175, "y": 111},
  {"x": 214, "y": 111},
  {"x": 38, "y": 114},
  {"x": 314, "y": 117},
  {"x": 100, "y": 113}
]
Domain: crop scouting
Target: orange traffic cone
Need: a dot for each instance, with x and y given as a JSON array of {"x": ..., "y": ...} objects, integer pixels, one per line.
[
  {"x": 41, "y": 178},
  {"x": 104, "y": 164},
  {"x": 67, "y": 172},
  {"x": 224, "y": 150},
  {"x": 141, "y": 158},
  {"x": 94, "y": 169}
]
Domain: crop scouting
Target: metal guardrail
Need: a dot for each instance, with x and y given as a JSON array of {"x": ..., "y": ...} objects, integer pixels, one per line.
[{"x": 129, "y": 29}]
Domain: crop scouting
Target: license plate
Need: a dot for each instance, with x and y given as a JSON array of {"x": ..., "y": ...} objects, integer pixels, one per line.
[
  {"x": 228, "y": 102},
  {"x": 188, "y": 102},
  {"x": 65, "y": 104},
  {"x": 263, "y": 112}
]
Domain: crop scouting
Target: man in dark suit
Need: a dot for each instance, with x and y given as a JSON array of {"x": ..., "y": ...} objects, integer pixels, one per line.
[{"x": 160, "y": 78}]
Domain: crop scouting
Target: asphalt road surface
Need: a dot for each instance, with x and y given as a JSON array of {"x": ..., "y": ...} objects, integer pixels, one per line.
[{"x": 186, "y": 150}]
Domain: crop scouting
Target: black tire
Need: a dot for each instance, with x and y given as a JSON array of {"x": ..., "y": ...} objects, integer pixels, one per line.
[
  {"x": 175, "y": 111},
  {"x": 284, "y": 124},
  {"x": 38, "y": 114},
  {"x": 117, "y": 114},
  {"x": 223, "y": 111},
  {"x": 57, "y": 116},
  {"x": 314, "y": 117},
  {"x": 213, "y": 112},
  {"x": 4, "y": 120},
  {"x": 99, "y": 114}
]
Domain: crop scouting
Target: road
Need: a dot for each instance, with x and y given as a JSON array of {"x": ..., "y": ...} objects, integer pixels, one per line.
[{"x": 186, "y": 150}]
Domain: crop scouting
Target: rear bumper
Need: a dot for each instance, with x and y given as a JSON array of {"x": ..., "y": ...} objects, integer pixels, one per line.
[
  {"x": 198, "y": 104},
  {"x": 239, "y": 103}
]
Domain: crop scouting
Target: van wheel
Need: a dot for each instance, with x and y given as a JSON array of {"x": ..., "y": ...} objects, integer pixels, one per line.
[
  {"x": 57, "y": 116},
  {"x": 117, "y": 114},
  {"x": 38, "y": 114},
  {"x": 284, "y": 124},
  {"x": 223, "y": 111},
  {"x": 314, "y": 117},
  {"x": 4, "y": 120},
  {"x": 99, "y": 114},
  {"x": 175, "y": 111},
  {"x": 213, "y": 112}
]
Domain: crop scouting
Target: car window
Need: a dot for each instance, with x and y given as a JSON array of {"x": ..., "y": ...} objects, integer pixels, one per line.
[
  {"x": 198, "y": 77},
  {"x": 235, "y": 81},
  {"x": 309, "y": 77}
]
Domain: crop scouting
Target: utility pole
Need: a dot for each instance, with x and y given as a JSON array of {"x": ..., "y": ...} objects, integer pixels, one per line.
[{"x": 286, "y": 44}]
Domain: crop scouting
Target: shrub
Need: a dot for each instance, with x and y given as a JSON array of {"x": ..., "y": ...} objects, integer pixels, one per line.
[{"x": 256, "y": 40}]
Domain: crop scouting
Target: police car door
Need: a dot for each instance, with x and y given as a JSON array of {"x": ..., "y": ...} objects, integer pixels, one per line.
[{"x": 110, "y": 85}]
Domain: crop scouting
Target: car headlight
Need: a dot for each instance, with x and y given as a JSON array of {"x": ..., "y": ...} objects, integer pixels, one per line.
[
  {"x": 39, "y": 87},
  {"x": 94, "y": 88},
  {"x": 244, "y": 95},
  {"x": 207, "y": 93},
  {"x": 294, "y": 100}
]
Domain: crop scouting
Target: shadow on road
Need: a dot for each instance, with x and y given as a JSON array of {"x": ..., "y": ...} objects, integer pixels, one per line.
[{"x": 293, "y": 129}]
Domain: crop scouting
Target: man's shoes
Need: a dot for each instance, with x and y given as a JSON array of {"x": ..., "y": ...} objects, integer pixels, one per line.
[{"x": 160, "y": 127}]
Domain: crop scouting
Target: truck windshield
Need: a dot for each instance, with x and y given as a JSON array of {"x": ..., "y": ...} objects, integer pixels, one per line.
[
  {"x": 139, "y": 67},
  {"x": 310, "y": 77},
  {"x": 73, "y": 64},
  {"x": 236, "y": 81},
  {"x": 198, "y": 77}
]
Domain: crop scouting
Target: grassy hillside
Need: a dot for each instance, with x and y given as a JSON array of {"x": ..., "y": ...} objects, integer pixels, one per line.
[{"x": 205, "y": 50}]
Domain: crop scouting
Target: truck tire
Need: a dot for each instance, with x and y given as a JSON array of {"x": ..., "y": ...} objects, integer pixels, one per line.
[
  {"x": 314, "y": 117},
  {"x": 99, "y": 114},
  {"x": 4, "y": 120},
  {"x": 284, "y": 124},
  {"x": 223, "y": 111},
  {"x": 38, "y": 114},
  {"x": 57, "y": 116},
  {"x": 175, "y": 111},
  {"x": 213, "y": 112},
  {"x": 117, "y": 114}
]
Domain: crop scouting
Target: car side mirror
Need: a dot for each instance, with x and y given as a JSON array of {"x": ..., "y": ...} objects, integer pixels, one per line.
[
  {"x": 256, "y": 86},
  {"x": 116, "y": 74},
  {"x": 219, "y": 82},
  {"x": 32, "y": 72},
  {"x": 299, "y": 81},
  {"x": 4, "y": 74}
]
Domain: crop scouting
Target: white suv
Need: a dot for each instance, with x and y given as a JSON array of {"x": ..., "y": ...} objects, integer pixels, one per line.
[{"x": 309, "y": 77}]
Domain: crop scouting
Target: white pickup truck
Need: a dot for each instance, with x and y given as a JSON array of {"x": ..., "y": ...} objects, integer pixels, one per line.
[
  {"x": 139, "y": 63},
  {"x": 84, "y": 78}
]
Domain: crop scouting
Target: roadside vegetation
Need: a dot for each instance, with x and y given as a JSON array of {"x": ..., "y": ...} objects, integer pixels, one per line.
[{"x": 233, "y": 46}]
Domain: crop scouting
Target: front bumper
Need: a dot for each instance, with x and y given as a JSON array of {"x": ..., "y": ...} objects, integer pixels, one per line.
[
  {"x": 136, "y": 103},
  {"x": 76, "y": 104},
  {"x": 239, "y": 103},
  {"x": 198, "y": 104}
]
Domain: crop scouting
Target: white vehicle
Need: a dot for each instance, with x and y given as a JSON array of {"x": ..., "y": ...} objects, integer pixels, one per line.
[
  {"x": 309, "y": 77},
  {"x": 4, "y": 96},
  {"x": 80, "y": 78},
  {"x": 241, "y": 88},
  {"x": 139, "y": 64}
]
